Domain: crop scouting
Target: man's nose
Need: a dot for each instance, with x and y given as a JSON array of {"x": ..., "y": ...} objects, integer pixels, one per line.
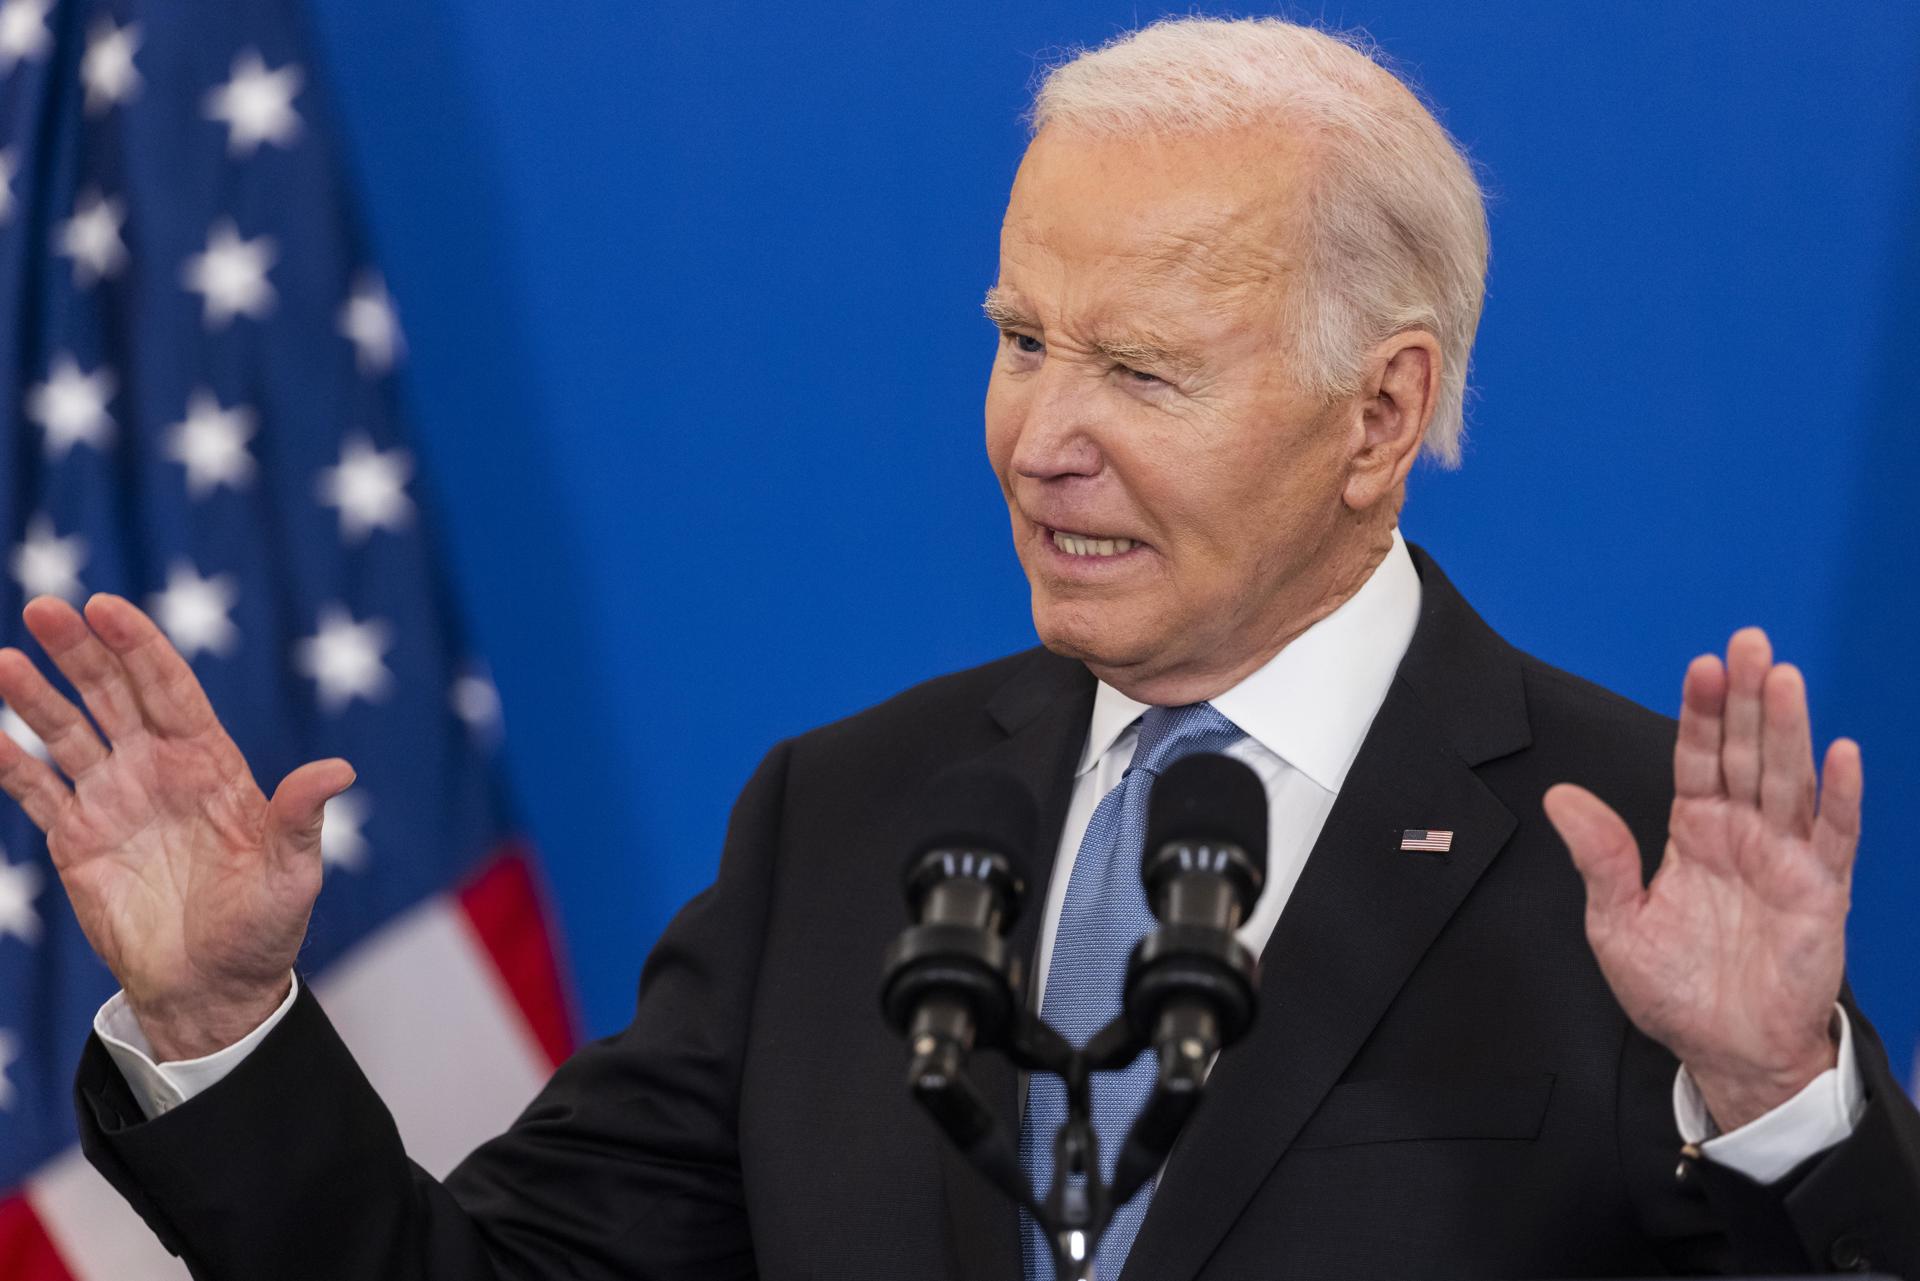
[{"x": 1059, "y": 434}]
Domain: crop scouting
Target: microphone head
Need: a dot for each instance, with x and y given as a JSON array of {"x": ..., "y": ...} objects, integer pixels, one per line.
[
  {"x": 1210, "y": 799},
  {"x": 979, "y": 808}
]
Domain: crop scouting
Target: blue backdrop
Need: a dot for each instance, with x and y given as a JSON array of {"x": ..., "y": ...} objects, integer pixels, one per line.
[{"x": 692, "y": 296}]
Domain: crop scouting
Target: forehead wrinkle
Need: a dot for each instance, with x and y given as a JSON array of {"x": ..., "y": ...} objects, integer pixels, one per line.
[
  {"x": 1224, "y": 259},
  {"x": 1244, "y": 245}
]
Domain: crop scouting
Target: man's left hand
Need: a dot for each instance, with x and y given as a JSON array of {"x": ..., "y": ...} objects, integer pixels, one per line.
[{"x": 1732, "y": 956}]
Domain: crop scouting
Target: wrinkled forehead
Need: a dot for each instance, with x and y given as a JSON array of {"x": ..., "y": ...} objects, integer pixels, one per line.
[{"x": 1218, "y": 213}]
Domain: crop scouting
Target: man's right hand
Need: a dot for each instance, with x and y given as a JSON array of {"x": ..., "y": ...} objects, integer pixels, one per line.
[{"x": 191, "y": 885}]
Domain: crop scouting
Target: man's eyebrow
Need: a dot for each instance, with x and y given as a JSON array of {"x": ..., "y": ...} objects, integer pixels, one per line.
[
  {"x": 1134, "y": 350},
  {"x": 1003, "y": 312},
  {"x": 1148, "y": 355}
]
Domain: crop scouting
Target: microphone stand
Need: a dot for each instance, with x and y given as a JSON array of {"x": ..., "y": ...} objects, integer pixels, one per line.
[
  {"x": 1077, "y": 1209},
  {"x": 949, "y": 983}
]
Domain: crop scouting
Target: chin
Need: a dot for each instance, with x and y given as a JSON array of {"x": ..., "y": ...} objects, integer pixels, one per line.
[{"x": 1105, "y": 636}]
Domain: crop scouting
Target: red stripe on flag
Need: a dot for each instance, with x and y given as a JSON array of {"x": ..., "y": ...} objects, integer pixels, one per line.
[
  {"x": 508, "y": 914},
  {"x": 26, "y": 1252}
]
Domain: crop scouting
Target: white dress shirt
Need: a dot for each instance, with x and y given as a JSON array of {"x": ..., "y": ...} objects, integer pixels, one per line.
[{"x": 1305, "y": 714}]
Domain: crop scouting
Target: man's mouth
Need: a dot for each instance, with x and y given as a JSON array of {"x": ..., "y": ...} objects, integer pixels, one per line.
[{"x": 1091, "y": 545}]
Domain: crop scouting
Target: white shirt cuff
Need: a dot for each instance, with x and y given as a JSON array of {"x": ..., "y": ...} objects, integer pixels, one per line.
[
  {"x": 1767, "y": 1147},
  {"x": 161, "y": 1087}
]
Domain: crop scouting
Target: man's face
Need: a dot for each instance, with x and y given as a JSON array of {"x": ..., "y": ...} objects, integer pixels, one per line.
[{"x": 1172, "y": 487}]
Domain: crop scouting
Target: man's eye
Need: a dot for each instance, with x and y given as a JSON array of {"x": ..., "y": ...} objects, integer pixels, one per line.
[
  {"x": 1140, "y": 376},
  {"x": 1026, "y": 343}
]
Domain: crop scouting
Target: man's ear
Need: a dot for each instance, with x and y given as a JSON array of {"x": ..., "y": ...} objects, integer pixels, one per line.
[{"x": 1397, "y": 402}]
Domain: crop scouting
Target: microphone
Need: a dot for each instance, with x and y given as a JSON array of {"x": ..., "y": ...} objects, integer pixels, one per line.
[
  {"x": 949, "y": 981},
  {"x": 1191, "y": 985},
  {"x": 1203, "y": 866}
]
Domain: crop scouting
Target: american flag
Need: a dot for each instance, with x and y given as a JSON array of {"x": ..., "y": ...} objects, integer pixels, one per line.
[
  {"x": 199, "y": 411},
  {"x": 1426, "y": 840}
]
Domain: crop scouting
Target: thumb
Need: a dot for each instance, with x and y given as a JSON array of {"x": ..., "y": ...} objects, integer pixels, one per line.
[
  {"x": 1602, "y": 846},
  {"x": 298, "y": 804}
]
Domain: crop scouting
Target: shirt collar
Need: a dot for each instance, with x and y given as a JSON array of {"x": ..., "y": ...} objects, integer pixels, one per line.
[{"x": 1311, "y": 703}]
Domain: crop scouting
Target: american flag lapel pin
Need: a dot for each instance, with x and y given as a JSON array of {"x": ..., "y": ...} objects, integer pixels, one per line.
[{"x": 1426, "y": 840}]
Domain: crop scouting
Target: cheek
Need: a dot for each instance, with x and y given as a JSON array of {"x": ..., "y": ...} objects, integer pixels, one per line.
[
  {"x": 1235, "y": 500},
  {"x": 1202, "y": 486},
  {"x": 1003, "y": 425},
  {"x": 1289, "y": 513}
]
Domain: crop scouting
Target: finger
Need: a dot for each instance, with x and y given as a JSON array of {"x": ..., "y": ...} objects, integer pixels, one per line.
[
  {"x": 69, "y": 738},
  {"x": 1696, "y": 753},
  {"x": 1602, "y": 846},
  {"x": 1786, "y": 752},
  {"x": 88, "y": 663},
  {"x": 1836, "y": 832},
  {"x": 32, "y": 782},
  {"x": 1749, "y": 658},
  {"x": 170, "y": 694},
  {"x": 297, "y": 807}
]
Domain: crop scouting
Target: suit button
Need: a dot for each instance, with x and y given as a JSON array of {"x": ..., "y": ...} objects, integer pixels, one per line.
[
  {"x": 1849, "y": 1253},
  {"x": 1688, "y": 1155}
]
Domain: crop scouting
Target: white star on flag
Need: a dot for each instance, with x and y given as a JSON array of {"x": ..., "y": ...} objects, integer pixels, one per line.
[
  {"x": 107, "y": 67},
  {"x": 9, "y": 1051},
  {"x": 369, "y": 488},
  {"x": 232, "y": 275},
  {"x": 22, "y": 733},
  {"x": 368, "y": 320},
  {"x": 343, "y": 657},
  {"x": 341, "y": 844},
  {"x": 19, "y": 886},
  {"x": 92, "y": 238},
  {"x": 477, "y": 703},
  {"x": 256, "y": 104},
  {"x": 193, "y": 611},
  {"x": 72, "y": 406},
  {"x": 23, "y": 32},
  {"x": 211, "y": 443},
  {"x": 45, "y": 564},
  {"x": 8, "y": 165}
]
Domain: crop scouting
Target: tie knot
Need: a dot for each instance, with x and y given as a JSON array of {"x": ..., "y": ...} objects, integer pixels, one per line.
[{"x": 1169, "y": 733}]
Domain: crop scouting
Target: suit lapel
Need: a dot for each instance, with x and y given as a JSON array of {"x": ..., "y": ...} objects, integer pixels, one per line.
[
  {"x": 1044, "y": 711},
  {"x": 1360, "y": 918}
]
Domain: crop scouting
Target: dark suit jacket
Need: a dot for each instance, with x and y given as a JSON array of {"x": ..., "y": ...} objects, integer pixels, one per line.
[{"x": 1439, "y": 1082}]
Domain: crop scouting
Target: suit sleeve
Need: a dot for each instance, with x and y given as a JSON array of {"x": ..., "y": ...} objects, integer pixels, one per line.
[
  {"x": 1853, "y": 1207},
  {"x": 625, "y": 1166}
]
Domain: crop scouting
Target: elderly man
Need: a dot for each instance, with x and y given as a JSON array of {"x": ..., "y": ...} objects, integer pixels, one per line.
[{"x": 1240, "y": 274}]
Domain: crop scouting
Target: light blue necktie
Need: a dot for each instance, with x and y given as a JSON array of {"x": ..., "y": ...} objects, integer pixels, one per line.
[{"x": 1104, "y": 915}]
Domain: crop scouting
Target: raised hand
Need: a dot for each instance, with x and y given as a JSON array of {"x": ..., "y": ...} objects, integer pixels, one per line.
[
  {"x": 192, "y": 886},
  {"x": 1732, "y": 957}
]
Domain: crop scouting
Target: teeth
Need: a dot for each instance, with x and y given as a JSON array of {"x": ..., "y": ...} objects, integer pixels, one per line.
[{"x": 1074, "y": 545}]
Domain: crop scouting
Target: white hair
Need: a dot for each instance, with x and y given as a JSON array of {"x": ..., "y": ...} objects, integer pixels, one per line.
[{"x": 1397, "y": 226}]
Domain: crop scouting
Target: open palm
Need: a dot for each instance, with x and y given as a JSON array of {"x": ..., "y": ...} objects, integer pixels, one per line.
[
  {"x": 193, "y": 886},
  {"x": 1733, "y": 956}
]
